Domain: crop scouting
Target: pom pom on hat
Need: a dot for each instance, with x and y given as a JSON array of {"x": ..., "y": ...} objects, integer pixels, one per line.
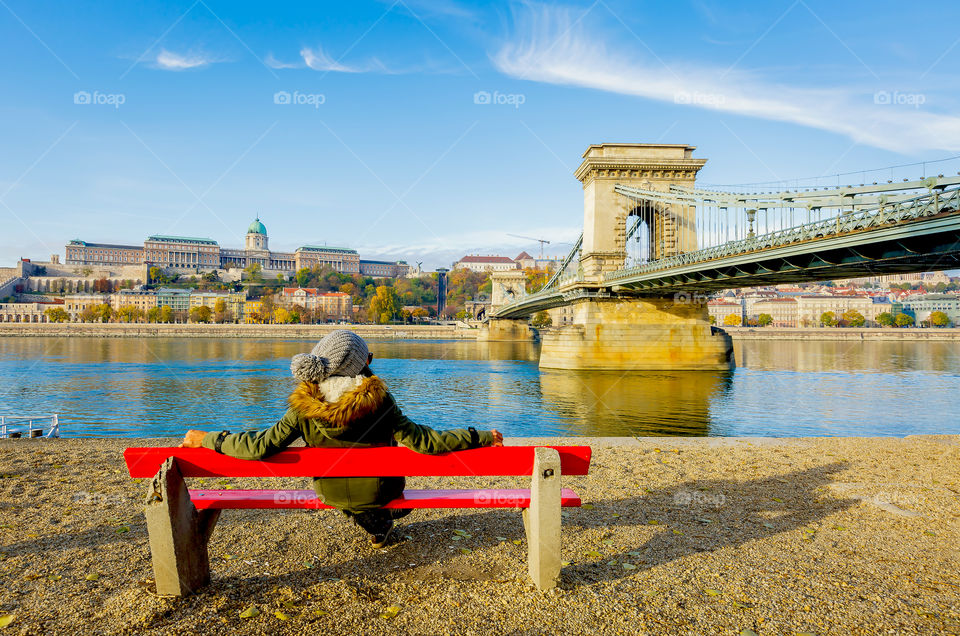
[{"x": 307, "y": 367}]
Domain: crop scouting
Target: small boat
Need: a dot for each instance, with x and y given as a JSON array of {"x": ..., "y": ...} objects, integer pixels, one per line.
[{"x": 14, "y": 426}]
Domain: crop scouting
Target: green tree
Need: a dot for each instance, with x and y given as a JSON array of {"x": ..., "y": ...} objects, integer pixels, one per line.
[
  {"x": 303, "y": 277},
  {"x": 57, "y": 314},
  {"x": 541, "y": 319},
  {"x": 903, "y": 320},
  {"x": 254, "y": 272},
  {"x": 937, "y": 319},
  {"x": 828, "y": 319},
  {"x": 885, "y": 319},
  {"x": 853, "y": 318},
  {"x": 732, "y": 320},
  {"x": 200, "y": 314},
  {"x": 713, "y": 320},
  {"x": 764, "y": 320},
  {"x": 153, "y": 314}
]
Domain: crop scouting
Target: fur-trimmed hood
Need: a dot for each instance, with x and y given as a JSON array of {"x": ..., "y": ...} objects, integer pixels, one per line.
[{"x": 308, "y": 400}]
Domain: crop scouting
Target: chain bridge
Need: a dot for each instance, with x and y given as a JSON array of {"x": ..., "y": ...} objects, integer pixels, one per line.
[{"x": 654, "y": 247}]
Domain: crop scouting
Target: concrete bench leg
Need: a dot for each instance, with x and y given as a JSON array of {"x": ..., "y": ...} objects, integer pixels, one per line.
[
  {"x": 178, "y": 534},
  {"x": 542, "y": 520}
]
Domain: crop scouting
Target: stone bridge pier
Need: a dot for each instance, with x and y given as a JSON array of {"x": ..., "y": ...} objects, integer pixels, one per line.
[
  {"x": 508, "y": 285},
  {"x": 609, "y": 331}
]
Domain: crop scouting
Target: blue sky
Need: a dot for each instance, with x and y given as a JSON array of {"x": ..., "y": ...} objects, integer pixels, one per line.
[{"x": 377, "y": 142}]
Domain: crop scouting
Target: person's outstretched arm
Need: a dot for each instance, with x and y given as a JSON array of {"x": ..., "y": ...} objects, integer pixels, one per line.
[
  {"x": 252, "y": 445},
  {"x": 424, "y": 439}
]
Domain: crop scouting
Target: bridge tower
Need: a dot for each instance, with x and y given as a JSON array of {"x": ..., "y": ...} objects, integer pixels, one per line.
[
  {"x": 649, "y": 166},
  {"x": 614, "y": 330}
]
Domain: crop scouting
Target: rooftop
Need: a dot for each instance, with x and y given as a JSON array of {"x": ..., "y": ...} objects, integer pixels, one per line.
[
  {"x": 326, "y": 248},
  {"x": 486, "y": 259},
  {"x": 180, "y": 239}
]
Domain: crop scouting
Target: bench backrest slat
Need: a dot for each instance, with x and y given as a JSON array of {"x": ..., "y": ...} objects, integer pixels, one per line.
[{"x": 357, "y": 462}]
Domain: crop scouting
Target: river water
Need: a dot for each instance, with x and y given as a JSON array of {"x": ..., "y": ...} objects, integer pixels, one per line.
[{"x": 160, "y": 386}]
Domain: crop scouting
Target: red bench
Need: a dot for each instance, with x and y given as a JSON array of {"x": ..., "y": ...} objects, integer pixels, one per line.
[{"x": 180, "y": 520}]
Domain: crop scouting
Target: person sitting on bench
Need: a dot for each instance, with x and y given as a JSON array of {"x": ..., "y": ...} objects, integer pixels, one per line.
[{"x": 341, "y": 403}]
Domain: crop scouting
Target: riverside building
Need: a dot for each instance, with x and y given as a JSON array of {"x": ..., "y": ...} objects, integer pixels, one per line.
[{"x": 194, "y": 254}]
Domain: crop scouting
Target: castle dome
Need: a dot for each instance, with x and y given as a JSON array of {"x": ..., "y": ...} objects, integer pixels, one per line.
[{"x": 257, "y": 227}]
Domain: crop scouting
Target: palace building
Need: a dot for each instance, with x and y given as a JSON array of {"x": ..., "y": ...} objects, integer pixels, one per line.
[{"x": 191, "y": 254}]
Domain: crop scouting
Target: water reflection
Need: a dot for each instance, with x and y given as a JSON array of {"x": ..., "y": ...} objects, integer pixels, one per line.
[
  {"x": 651, "y": 403},
  {"x": 159, "y": 386}
]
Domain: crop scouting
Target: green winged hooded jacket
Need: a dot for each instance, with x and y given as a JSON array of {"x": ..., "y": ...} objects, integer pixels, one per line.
[{"x": 347, "y": 412}]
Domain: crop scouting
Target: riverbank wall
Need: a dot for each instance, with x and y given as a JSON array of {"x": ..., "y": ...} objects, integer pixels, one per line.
[
  {"x": 845, "y": 334},
  {"x": 123, "y": 330}
]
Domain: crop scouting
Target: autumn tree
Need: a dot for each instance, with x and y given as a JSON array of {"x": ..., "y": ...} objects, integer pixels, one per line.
[
  {"x": 541, "y": 319},
  {"x": 828, "y": 319},
  {"x": 200, "y": 314},
  {"x": 764, "y": 320},
  {"x": 903, "y": 320},
  {"x": 732, "y": 320},
  {"x": 885, "y": 319},
  {"x": 937, "y": 319},
  {"x": 57, "y": 314},
  {"x": 385, "y": 305},
  {"x": 853, "y": 318}
]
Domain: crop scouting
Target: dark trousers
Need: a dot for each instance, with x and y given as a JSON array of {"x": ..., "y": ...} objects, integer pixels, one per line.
[{"x": 373, "y": 521}]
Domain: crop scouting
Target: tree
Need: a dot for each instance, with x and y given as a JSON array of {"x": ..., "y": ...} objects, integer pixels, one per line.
[
  {"x": 153, "y": 314},
  {"x": 103, "y": 312},
  {"x": 937, "y": 319},
  {"x": 102, "y": 286},
  {"x": 713, "y": 320},
  {"x": 220, "y": 312},
  {"x": 885, "y": 319},
  {"x": 732, "y": 320},
  {"x": 541, "y": 319},
  {"x": 166, "y": 314},
  {"x": 154, "y": 275},
  {"x": 57, "y": 314},
  {"x": 828, "y": 319},
  {"x": 853, "y": 318},
  {"x": 303, "y": 276},
  {"x": 903, "y": 320},
  {"x": 764, "y": 320},
  {"x": 129, "y": 313},
  {"x": 281, "y": 316},
  {"x": 254, "y": 272},
  {"x": 420, "y": 313},
  {"x": 385, "y": 304},
  {"x": 200, "y": 314}
]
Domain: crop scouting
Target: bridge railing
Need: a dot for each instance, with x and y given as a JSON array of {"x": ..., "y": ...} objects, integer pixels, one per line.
[{"x": 885, "y": 215}]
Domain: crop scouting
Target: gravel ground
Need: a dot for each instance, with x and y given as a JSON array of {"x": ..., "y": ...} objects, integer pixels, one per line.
[{"x": 680, "y": 536}]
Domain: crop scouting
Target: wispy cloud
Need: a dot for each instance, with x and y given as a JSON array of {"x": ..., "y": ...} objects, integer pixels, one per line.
[
  {"x": 320, "y": 61},
  {"x": 273, "y": 62},
  {"x": 551, "y": 45},
  {"x": 170, "y": 61}
]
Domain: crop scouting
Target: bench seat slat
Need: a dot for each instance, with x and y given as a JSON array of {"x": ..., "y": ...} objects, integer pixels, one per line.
[
  {"x": 384, "y": 461},
  {"x": 307, "y": 499}
]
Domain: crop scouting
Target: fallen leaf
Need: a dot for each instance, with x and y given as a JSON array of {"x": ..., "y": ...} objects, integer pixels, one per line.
[
  {"x": 250, "y": 612},
  {"x": 456, "y": 537},
  {"x": 465, "y": 550},
  {"x": 228, "y": 557},
  {"x": 653, "y": 522},
  {"x": 741, "y": 605},
  {"x": 705, "y": 520},
  {"x": 839, "y": 528},
  {"x": 320, "y": 613},
  {"x": 615, "y": 515},
  {"x": 501, "y": 538},
  {"x": 710, "y": 592},
  {"x": 677, "y": 532},
  {"x": 123, "y": 529},
  {"x": 747, "y": 632},
  {"x": 564, "y": 563},
  {"x": 587, "y": 506},
  {"x": 390, "y": 612},
  {"x": 308, "y": 564},
  {"x": 634, "y": 554},
  {"x": 6, "y": 620},
  {"x": 593, "y": 554},
  {"x": 55, "y": 577},
  {"x": 92, "y": 577},
  {"x": 928, "y": 533},
  {"x": 462, "y": 532},
  {"x": 767, "y": 525},
  {"x": 517, "y": 541},
  {"x": 628, "y": 566},
  {"x": 607, "y": 542},
  {"x": 777, "y": 499},
  {"x": 281, "y": 615}
]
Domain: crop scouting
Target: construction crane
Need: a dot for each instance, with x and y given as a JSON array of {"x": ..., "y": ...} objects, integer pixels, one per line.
[{"x": 530, "y": 238}]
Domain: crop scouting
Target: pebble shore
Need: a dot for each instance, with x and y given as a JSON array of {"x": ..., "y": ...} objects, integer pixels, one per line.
[{"x": 678, "y": 536}]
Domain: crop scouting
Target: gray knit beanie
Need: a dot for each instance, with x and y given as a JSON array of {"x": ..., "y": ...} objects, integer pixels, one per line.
[{"x": 340, "y": 352}]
